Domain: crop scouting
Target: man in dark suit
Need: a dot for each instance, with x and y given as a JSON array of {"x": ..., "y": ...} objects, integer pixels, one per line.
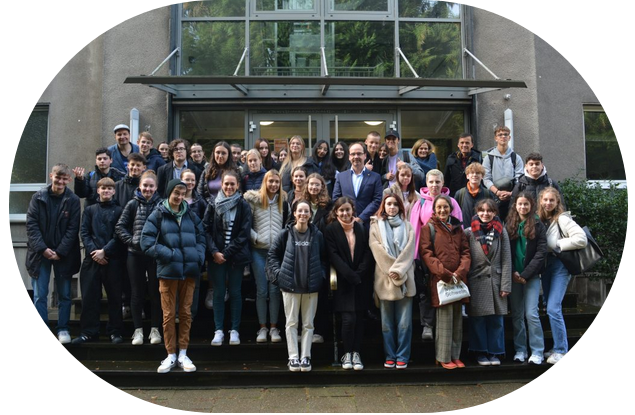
[
  {"x": 179, "y": 152},
  {"x": 360, "y": 184}
]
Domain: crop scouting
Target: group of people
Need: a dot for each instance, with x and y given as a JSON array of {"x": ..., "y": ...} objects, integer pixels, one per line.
[{"x": 385, "y": 226}]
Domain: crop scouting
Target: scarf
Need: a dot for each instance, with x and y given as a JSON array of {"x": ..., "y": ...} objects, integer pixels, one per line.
[
  {"x": 177, "y": 215},
  {"x": 394, "y": 235},
  {"x": 224, "y": 204},
  {"x": 473, "y": 192},
  {"x": 349, "y": 231},
  {"x": 485, "y": 233}
]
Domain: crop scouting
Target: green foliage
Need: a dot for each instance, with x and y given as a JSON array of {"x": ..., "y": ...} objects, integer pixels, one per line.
[
  {"x": 433, "y": 49},
  {"x": 605, "y": 212}
]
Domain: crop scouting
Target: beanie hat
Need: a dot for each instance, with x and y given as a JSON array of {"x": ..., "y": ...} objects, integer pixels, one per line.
[{"x": 172, "y": 184}]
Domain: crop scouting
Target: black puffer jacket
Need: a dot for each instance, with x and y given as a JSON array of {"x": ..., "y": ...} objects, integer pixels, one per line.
[
  {"x": 64, "y": 241},
  {"x": 125, "y": 190},
  {"x": 238, "y": 251},
  {"x": 281, "y": 260},
  {"x": 98, "y": 229},
  {"x": 179, "y": 249},
  {"x": 132, "y": 220}
]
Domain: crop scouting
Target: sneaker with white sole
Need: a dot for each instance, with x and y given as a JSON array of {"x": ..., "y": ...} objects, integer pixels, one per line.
[
  {"x": 186, "y": 364},
  {"x": 275, "y": 335},
  {"x": 137, "y": 337},
  {"x": 494, "y": 360},
  {"x": 317, "y": 338},
  {"x": 534, "y": 359},
  {"x": 520, "y": 357},
  {"x": 234, "y": 338},
  {"x": 154, "y": 336},
  {"x": 554, "y": 358},
  {"x": 357, "y": 361},
  {"x": 427, "y": 333},
  {"x": 294, "y": 365},
  {"x": 546, "y": 355},
  {"x": 347, "y": 362},
  {"x": 219, "y": 336},
  {"x": 166, "y": 365},
  {"x": 64, "y": 337},
  {"x": 209, "y": 299},
  {"x": 305, "y": 364},
  {"x": 261, "y": 337}
]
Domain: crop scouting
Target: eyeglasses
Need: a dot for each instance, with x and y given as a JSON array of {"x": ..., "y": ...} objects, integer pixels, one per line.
[
  {"x": 502, "y": 135},
  {"x": 179, "y": 149}
]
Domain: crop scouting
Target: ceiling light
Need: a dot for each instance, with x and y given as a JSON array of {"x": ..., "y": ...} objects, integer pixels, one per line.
[
  {"x": 266, "y": 122},
  {"x": 373, "y": 123}
]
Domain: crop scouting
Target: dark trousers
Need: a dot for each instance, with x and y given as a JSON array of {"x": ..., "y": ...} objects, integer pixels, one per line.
[
  {"x": 323, "y": 314},
  {"x": 427, "y": 313},
  {"x": 352, "y": 330},
  {"x": 142, "y": 272},
  {"x": 92, "y": 277}
]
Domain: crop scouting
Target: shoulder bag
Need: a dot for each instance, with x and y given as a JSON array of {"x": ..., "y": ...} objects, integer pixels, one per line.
[{"x": 579, "y": 261}]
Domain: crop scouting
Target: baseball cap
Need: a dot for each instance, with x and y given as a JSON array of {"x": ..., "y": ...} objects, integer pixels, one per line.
[
  {"x": 120, "y": 127},
  {"x": 392, "y": 132}
]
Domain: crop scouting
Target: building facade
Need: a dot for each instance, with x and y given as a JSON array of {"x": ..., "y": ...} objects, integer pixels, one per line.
[{"x": 323, "y": 69}]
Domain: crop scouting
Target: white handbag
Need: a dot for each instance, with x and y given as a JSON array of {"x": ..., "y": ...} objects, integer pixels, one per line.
[{"x": 452, "y": 292}]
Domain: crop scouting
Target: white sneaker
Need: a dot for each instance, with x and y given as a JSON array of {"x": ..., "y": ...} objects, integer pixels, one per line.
[
  {"x": 535, "y": 359},
  {"x": 186, "y": 364},
  {"x": 546, "y": 355},
  {"x": 64, "y": 337},
  {"x": 317, "y": 339},
  {"x": 137, "y": 337},
  {"x": 166, "y": 365},
  {"x": 234, "y": 338},
  {"x": 209, "y": 299},
  {"x": 347, "y": 363},
  {"x": 520, "y": 357},
  {"x": 262, "y": 335},
  {"x": 357, "y": 361},
  {"x": 554, "y": 358},
  {"x": 155, "y": 336},
  {"x": 218, "y": 338},
  {"x": 275, "y": 335}
]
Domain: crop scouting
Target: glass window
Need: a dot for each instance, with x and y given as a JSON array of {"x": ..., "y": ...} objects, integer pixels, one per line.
[
  {"x": 285, "y": 48},
  {"x": 360, "y": 48},
  {"x": 283, "y": 130},
  {"x": 352, "y": 131},
  {"x": 603, "y": 157},
  {"x": 279, "y": 5},
  {"x": 208, "y": 127},
  {"x": 211, "y": 48},
  {"x": 442, "y": 128},
  {"x": 429, "y": 9},
  {"x": 433, "y": 49},
  {"x": 359, "y": 5},
  {"x": 216, "y": 8}
]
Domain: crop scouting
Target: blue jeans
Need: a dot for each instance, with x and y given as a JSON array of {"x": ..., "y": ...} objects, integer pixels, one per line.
[
  {"x": 524, "y": 305},
  {"x": 264, "y": 288},
  {"x": 396, "y": 327},
  {"x": 555, "y": 280},
  {"x": 487, "y": 334},
  {"x": 230, "y": 278},
  {"x": 41, "y": 292}
]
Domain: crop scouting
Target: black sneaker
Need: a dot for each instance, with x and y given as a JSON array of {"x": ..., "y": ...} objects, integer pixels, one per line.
[
  {"x": 305, "y": 364},
  {"x": 116, "y": 338},
  {"x": 83, "y": 338},
  {"x": 294, "y": 365}
]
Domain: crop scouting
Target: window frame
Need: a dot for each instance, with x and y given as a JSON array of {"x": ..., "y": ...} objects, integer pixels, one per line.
[{"x": 605, "y": 184}]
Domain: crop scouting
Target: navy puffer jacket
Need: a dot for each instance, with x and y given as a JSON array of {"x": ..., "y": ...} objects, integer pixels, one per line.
[
  {"x": 179, "y": 249},
  {"x": 133, "y": 218},
  {"x": 281, "y": 260}
]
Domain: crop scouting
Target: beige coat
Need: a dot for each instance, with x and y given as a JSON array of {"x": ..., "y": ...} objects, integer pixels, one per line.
[{"x": 385, "y": 287}]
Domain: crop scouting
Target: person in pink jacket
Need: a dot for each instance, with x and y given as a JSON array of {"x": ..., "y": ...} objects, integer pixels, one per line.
[{"x": 420, "y": 214}]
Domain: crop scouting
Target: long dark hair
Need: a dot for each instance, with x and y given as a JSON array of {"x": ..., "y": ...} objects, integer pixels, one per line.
[
  {"x": 343, "y": 164},
  {"x": 513, "y": 218},
  {"x": 327, "y": 170},
  {"x": 381, "y": 212},
  {"x": 267, "y": 162},
  {"x": 332, "y": 217},
  {"x": 215, "y": 169}
]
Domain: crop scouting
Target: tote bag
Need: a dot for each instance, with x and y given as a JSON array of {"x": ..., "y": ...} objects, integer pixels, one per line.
[
  {"x": 579, "y": 261},
  {"x": 452, "y": 292}
]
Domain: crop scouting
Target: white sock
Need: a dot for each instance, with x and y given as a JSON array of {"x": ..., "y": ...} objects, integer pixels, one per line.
[
  {"x": 172, "y": 357},
  {"x": 182, "y": 353}
]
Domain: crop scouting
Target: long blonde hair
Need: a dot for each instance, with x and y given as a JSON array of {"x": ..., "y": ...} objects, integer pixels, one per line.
[
  {"x": 542, "y": 213},
  {"x": 288, "y": 164},
  {"x": 264, "y": 197}
]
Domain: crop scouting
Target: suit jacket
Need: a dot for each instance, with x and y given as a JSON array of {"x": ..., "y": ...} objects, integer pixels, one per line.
[
  {"x": 369, "y": 196},
  {"x": 166, "y": 173}
]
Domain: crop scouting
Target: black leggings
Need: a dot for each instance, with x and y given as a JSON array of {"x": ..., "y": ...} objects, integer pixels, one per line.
[
  {"x": 352, "y": 330},
  {"x": 138, "y": 266}
]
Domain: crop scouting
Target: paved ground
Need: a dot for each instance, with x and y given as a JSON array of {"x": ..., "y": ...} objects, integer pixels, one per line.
[{"x": 329, "y": 399}]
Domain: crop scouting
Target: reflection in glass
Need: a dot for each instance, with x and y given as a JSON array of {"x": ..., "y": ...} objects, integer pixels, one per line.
[
  {"x": 29, "y": 165},
  {"x": 429, "y": 9},
  {"x": 363, "y": 48},
  {"x": 211, "y": 48},
  {"x": 442, "y": 128},
  {"x": 276, "y": 5},
  {"x": 216, "y": 8},
  {"x": 600, "y": 139},
  {"x": 433, "y": 49},
  {"x": 284, "y": 130},
  {"x": 285, "y": 48},
  {"x": 359, "y": 5},
  {"x": 208, "y": 127}
]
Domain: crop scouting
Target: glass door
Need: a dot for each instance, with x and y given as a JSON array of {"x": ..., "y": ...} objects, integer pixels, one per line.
[
  {"x": 279, "y": 128},
  {"x": 355, "y": 127}
]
